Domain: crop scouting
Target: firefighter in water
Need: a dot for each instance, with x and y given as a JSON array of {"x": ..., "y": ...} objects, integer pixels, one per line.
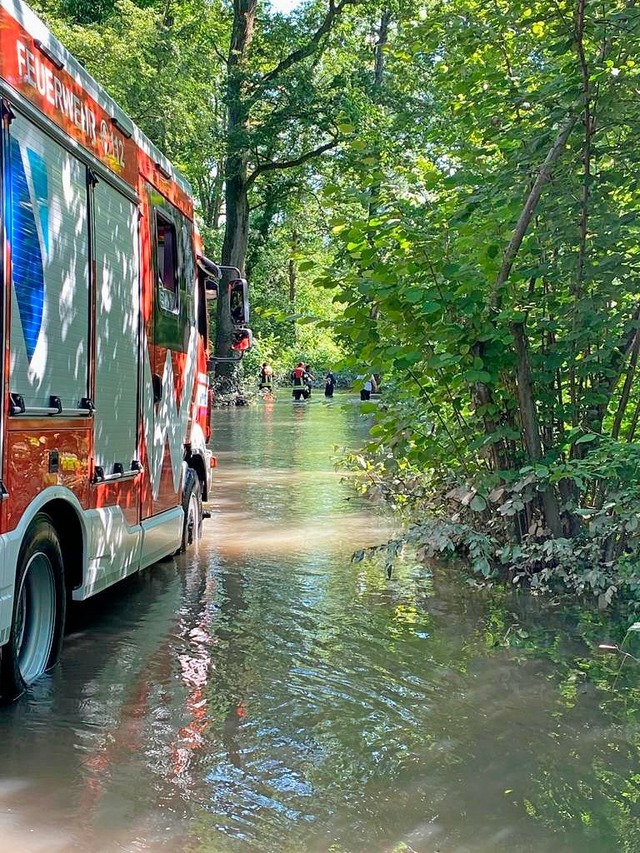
[
  {"x": 308, "y": 379},
  {"x": 266, "y": 377},
  {"x": 299, "y": 380}
]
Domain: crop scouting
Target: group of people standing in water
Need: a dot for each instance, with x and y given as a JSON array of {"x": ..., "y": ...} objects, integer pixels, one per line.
[{"x": 301, "y": 379}]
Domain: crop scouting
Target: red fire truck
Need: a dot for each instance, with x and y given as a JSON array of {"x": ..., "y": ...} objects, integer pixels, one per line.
[{"x": 103, "y": 319}]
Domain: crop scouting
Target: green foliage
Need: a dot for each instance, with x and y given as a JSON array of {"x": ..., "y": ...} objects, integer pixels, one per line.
[
  {"x": 498, "y": 525},
  {"x": 155, "y": 60},
  {"x": 167, "y": 66},
  {"x": 509, "y": 354},
  {"x": 505, "y": 325}
]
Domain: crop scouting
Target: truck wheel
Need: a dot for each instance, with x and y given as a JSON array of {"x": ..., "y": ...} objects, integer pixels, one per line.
[
  {"x": 39, "y": 609},
  {"x": 192, "y": 506}
]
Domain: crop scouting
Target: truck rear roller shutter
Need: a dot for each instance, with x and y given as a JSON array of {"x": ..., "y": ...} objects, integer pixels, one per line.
[
  {"x": 117, "y": 328},
  {"x": 48, "y": 231}
]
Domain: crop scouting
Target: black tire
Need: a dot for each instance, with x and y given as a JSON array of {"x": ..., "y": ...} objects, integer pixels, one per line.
[
  {"x": 39, "y": 610},
  {"x": 192, "y": 508}
]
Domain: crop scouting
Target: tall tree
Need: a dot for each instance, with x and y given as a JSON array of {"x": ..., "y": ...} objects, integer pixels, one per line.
[{"x": 283, "y": 109}]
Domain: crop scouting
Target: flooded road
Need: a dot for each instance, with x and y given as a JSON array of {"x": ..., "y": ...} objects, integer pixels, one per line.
[{"x": 266, "y": 695}]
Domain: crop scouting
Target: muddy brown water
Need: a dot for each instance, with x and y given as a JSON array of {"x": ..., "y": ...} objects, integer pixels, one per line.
[{"x": 267, "y": 694}]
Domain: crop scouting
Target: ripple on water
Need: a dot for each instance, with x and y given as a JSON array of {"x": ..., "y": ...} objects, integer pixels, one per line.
[{"x": 266, "y": 695}]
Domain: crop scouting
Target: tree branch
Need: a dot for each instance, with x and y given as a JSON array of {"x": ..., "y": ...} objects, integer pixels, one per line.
[
  {"x": 628, "y": 384},
  {"x": 528, "y": 210},
  {"x": 272, "y": 165},
  {"x": 589, "y": 128},
  {"x": 219, "y": 53},
  {"x": 335, "y": 9}
]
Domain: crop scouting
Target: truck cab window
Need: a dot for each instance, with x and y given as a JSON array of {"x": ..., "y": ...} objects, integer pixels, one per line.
[
  {"x": 167, "y": 260},
  {"x": 202, "y": 305}
]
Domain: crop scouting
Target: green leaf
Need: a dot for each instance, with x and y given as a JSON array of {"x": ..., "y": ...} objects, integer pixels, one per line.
[
  {"x": 477, "y": 376},
  {"x": 450, "y": 270},
  {"x": 407, "y": 361},
  {"x": 414, "y": 294},
  {"x": 478, "y": 504},
  {"x": 590, "y": 436}
]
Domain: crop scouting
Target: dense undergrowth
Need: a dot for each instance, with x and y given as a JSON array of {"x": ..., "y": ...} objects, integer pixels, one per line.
[{"x": 495, "y": 519}]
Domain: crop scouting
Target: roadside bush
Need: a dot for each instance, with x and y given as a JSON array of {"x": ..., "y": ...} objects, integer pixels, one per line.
[{"x": 496, "y": 522}]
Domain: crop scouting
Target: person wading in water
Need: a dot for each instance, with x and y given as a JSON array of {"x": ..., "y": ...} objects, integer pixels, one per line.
[
  {"x": 368, "y": 386},
  {"x": 298, "y": 380},
  {"x": 329, "y": 384},
  {"x": 308, "y": 379},
  {"x": 266, "y": 377}
]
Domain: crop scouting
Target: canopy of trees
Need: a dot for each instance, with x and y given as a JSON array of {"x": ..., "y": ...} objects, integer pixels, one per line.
[{"x": 445, "y": 193}]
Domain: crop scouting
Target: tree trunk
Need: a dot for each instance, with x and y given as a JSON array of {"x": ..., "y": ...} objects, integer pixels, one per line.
[
  {"x": 530, "y": 426},
  {"x": 236, "y": 229},
  {"x": 244, "y": 91},
  {"x": 234, "y": 252},
  {"x": 293, "y": 270},
  {"x": 482, "y": 393},
  {"x": 579, "y": 289},
  {"x": 378, "y": 79},
  {"x": 383, "y": 34},
  {"x": 627, "y": 387},
  {"x": 631, "y": 433},
  {"x": 528, "y": 210}
]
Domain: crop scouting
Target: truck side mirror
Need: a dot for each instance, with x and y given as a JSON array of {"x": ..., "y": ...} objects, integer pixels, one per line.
[
  {"x": 239, "y": 301},
  {"x": 242, "y": 340}
]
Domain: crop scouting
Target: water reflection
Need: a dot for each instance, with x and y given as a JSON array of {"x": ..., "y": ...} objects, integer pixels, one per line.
[{"x": 268, "y": 695}]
